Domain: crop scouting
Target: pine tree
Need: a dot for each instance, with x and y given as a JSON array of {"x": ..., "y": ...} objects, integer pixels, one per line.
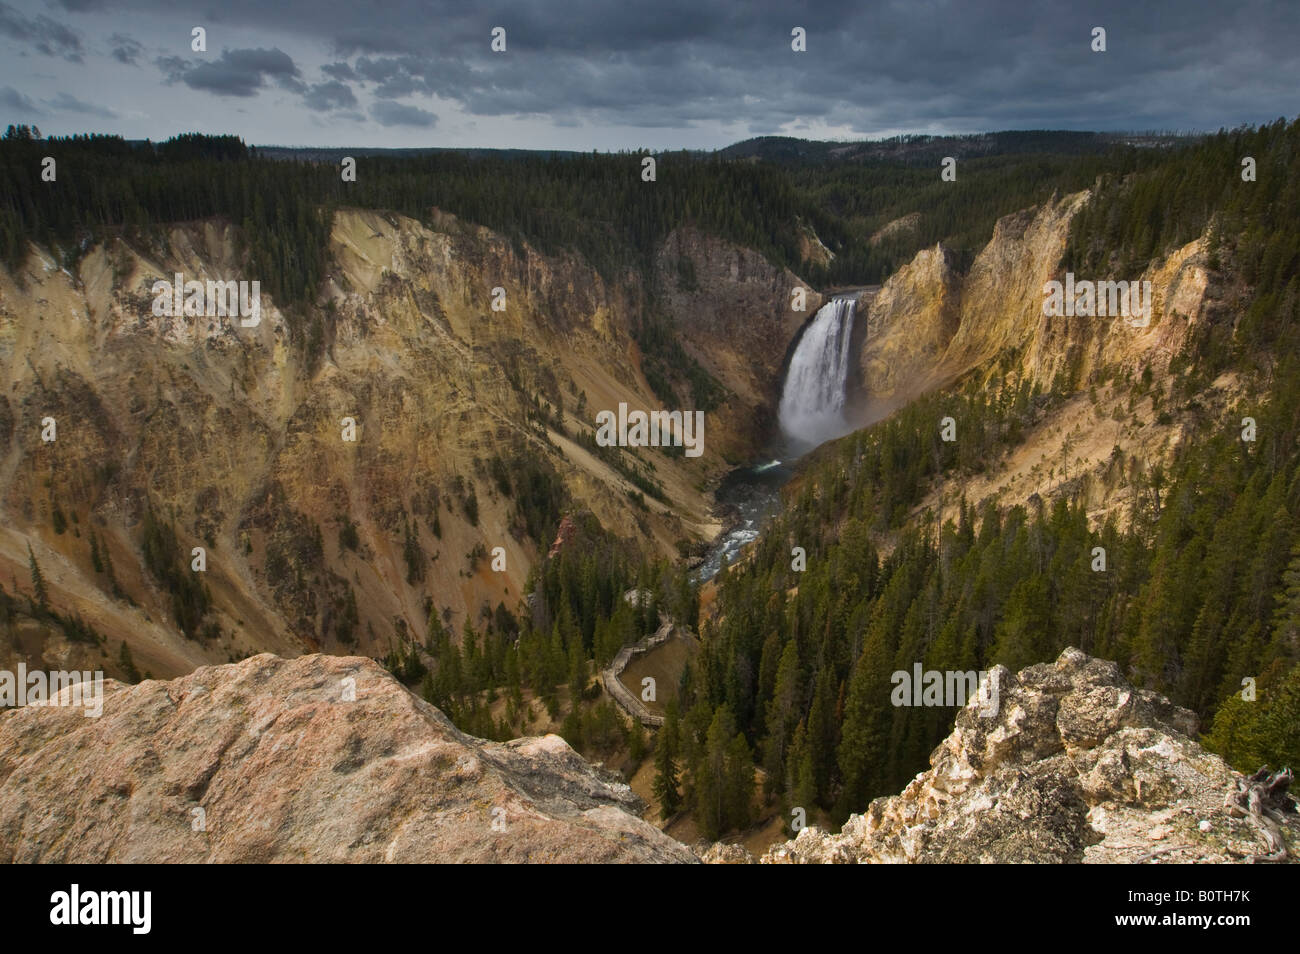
[
  {"x": 818, "y": 759},
  {"x": 712, "y": 804},
  {"x": 435, "y": 633},
  {"x": 666, "y": 785},
  {"x": 514, "y": 678},
  {"x": 636, "y": 742},
  {"x": 42, "y": 598},
  {"x": 1279, "y": 726},
  {"x": 782, "y": 714},
  {"x": 108, "y": 570},
  {"x": 1286, "y": 619},
  {"x": 862, "y": 749},
  {"x": 804, "y": 794},
  {"x": 1023, "y": 637},
  {"x": 577, "y": 676},
  {"x": 128, "y": 664},
  {"x": 739, "y": 782}
]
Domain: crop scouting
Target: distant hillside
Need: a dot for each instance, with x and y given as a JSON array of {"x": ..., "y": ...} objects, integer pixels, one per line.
[
  {"x": 335, "y": 154},
  {"x": 928, "y": 150}
]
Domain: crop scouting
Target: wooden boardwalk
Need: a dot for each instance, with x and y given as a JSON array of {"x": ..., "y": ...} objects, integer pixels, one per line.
[{"x": 614, "y": 686}]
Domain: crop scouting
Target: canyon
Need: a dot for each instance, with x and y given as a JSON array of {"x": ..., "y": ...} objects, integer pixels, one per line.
[{"x": 232, "y": 433}]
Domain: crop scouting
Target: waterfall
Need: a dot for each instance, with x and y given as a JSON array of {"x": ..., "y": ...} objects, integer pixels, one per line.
[{"x": 812, "y": 402}]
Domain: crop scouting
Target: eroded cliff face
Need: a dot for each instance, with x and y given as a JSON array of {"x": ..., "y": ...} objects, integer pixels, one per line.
[
  {"x": 316, "y": 759},
  {"x": 741, "y": 325},
  {"x": 1075, "y": 766},
  {"x": 909, "y": 324},
  {"x": 929, "y": 324},
  {"x": 930, "y": 327},
  {"x": 1182, "y": 297},
  {"x": 1002, "y": 294},
  {"x": 237, "y": 437}
]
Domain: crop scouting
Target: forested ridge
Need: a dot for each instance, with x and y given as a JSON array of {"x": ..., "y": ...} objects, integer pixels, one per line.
[
  {"x": 1201, "y": 589},
  {"x": 598, "y": 206},
  {"x": 594, "y": 204}
]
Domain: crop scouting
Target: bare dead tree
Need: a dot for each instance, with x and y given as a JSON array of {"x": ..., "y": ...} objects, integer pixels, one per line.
[{"x": 1263, "y": 799}]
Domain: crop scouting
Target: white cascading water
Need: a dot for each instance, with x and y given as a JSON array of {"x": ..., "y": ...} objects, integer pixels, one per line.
[{"x": 812, "y": 402}]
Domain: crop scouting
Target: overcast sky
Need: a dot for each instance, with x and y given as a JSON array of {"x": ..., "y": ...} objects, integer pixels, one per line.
[{"x": 624, "y": 74}]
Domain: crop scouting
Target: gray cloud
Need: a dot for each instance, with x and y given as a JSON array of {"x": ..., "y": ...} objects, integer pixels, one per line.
[
  {"x": 379, "y": 70},
  {"x": 368, "y": 39},
  {"x": 44, "y": 34},
  {"x": 396, "y": 77},
  {"x": 67, "y": 103},
  {"x": 235, "y": 72},
  {"x": 16, "y": 102},
  {"x": 172, "y": 67},
  {"x": 348, "y": 115},
  {"x": 125, "y": 49},
  {"x": 340, "y": 71},
  {"x": 387, "y": 113},
  {"x": 329, "y": 96}
]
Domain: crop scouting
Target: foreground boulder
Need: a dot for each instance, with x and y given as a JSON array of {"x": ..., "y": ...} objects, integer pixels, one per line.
[
  {"x": 314, "y": 759},
  {"x": 1076, "y": 766}
]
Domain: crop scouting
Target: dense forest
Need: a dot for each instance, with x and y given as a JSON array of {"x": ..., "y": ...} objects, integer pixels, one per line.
[{"x": 1201, "y": 589}]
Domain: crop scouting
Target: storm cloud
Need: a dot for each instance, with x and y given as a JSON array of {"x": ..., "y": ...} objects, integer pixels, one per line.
[
  {"x": 690, "y": 72},
  {"x": 328, "y": 96},
  {"x": 67, "y": 103},
  {"x": 235, "y": 72}
]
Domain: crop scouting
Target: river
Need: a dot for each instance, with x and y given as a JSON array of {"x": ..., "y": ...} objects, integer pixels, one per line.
[{"x": 752, "y": 495}]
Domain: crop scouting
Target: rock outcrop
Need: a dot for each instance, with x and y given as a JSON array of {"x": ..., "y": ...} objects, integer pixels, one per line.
[
  {"x": 315, "y": 759},
  {"x": 325, "y": 758},
  {"x": 1076, "y": 766}
]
